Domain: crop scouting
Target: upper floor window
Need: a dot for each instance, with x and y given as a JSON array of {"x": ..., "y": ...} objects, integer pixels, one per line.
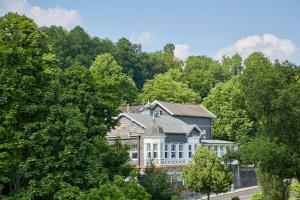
[{"x": 160, "y": 112}]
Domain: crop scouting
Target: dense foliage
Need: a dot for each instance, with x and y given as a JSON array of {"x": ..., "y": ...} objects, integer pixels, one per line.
[
  {"x": 157, "y": 183},
  {"x": 53, "y": 121},
  {"x": 60, "y": 91}
]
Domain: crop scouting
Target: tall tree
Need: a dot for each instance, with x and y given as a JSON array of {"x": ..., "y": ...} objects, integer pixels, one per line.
[
  {"x": 109, "y": 77},
  {"x": 165, "y": 88},
  {"x": 22, "y": 85},
  {"x": 227, "y": 103},
  {"x": 206, "y": 173},
  {"x": 203, "y": 73}
]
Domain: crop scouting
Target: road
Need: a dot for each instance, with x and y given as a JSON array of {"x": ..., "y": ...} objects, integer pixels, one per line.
[{"x": 243, "y": 194}]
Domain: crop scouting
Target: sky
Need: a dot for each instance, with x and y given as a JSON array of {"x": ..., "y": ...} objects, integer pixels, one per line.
[{"x": 196, "y": 27}]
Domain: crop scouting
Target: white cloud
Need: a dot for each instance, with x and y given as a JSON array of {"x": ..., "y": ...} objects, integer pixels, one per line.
[
  {"x": 43, "y": 17},
  {"x": 143, "y": 38},
  {"x": 182, "y": 51},
  {"x": 272, "y": 46}
]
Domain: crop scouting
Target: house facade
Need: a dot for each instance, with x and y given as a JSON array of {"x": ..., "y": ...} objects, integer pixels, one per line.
[{"x": 167, "y": 134}]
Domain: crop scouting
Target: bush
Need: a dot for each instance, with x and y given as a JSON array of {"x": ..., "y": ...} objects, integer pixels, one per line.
[
  {"x": 257, "y": 196},
  {"x": 235, "y": 198},
  {"x": 295, "y": 190}
]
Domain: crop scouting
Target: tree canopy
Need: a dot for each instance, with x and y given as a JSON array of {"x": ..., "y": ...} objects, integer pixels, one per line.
[{"x": 206, "y": 173}]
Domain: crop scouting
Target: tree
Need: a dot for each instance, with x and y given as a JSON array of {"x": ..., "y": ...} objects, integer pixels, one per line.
[
  {"x": 23, "y": 81},
  {"x": 109, "y": 77},
  {"x": 118, "y": 189},
  {"x": 227, "y": 103},
  {"x": 165, "y": 88},
  {"x": 76, "y": 46},
  {"x": 203, "y": 73},
  {"x": 206, "y": 173},
  {"x": 52, "y": 121},
  {"x": 232, "y": 65},
  {"x": 271, "y": 92},
  {"x": 157, "y": 183}
]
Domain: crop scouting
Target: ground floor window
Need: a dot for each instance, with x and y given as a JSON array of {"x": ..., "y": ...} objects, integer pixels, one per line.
[
  {"x": 190, "y": 151},
  {"x": 173, "y": 150},
  {"x": 180, "y": 150},
  {"x": 148, "y": 148},
  {"x": 155, "y": 150},
  {"x": 134, "y": 151}
]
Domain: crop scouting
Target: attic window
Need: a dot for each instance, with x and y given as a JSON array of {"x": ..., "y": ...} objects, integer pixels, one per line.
[{"x": 160, "y": 112}]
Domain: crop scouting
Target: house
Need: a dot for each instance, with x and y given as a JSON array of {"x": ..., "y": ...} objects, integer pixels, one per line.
[{"x": 167, "y": 134}]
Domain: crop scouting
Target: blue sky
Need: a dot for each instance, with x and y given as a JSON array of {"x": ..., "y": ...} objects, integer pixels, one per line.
[{"x": 212, "y": 27}]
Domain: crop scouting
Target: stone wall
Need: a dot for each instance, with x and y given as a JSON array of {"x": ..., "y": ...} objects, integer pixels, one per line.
[{"x": 130, "y": 132}]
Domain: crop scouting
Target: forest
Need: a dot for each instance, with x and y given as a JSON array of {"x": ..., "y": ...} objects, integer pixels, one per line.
[{"x": 60, "y": 91}]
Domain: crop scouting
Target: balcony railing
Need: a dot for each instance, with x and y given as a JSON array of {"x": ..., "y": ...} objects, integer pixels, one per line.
[{"x": 170, "y": 161}]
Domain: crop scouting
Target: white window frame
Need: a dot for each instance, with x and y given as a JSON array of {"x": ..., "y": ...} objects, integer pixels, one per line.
[
  {"x": 190, "y": 149},
  {"x": 155, "y": 150},
  {"x": 148, "y": 150},
  {"x": 166, "y": 148},
  {"x": 134, "y": 151},
  {"x": 180, "y": 150},
  {"x": 173, "y": 151}
]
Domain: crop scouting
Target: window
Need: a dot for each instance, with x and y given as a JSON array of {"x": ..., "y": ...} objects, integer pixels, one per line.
[
  {"x": 180, "y": 148},
  {"x": 190, "y": 151},
  {"x": 173, "y": 150},
  {"x": 228, "y": 149},
  {"x": 155, "y": 150},
  {"x": 160, "y": 112},
  {"x": 195, "y": 147},
  {"x": 134, "y": 151},
  {"x": 148, "y": 146},
  {"x": 166, "y": 151},
  {"x": 216, "y": 150},
  {"x": 221, "y": 150}
]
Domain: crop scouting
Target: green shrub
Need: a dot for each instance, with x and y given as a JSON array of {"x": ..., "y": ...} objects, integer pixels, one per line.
[
  {"x": 235, "y": 198},
  {"x": 295, "y": 190},
  {"x": 257, "y": 196}
]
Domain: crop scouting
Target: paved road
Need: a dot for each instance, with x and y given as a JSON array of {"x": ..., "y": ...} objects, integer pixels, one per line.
[{"x": 243, "y": 194}]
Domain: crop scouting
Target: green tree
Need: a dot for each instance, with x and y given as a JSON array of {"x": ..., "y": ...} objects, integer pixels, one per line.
[
  {"x": 51, "y": 121},
  {"x": 76, "y": 46},
  {"x": 157, "y": 183},
  {"x": 118, "y": 189},
  {"x": 227, "y": 103},
  {"x": 206, "y": 173},
  {"x": 203, "y": 73},
  {"x": 23, "y": 82},
  {"x": 232, "y": 65},
  {"x": 109, "y": 77},
  {"x": 165, "y": 88}
]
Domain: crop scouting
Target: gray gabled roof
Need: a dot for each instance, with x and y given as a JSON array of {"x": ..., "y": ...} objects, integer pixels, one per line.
[
  {"x": 185, "y": 109},
  {"x": 169, "y": 124}
]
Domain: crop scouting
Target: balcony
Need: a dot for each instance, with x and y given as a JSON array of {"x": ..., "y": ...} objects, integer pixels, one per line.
[{"x": 168, "y": 162}]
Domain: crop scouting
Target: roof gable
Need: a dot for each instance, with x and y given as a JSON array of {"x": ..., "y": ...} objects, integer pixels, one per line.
[{"x": 177, "y": 109}]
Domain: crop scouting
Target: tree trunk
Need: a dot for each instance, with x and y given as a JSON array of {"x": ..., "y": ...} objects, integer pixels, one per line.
[{"x": 208, "y": 195}]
